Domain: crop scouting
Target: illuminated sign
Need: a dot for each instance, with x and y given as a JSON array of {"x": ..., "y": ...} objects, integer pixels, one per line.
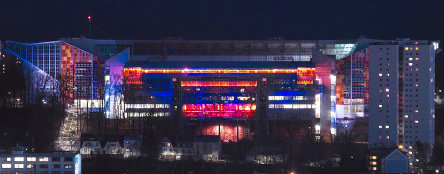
[{"x": 77, "y": 164}]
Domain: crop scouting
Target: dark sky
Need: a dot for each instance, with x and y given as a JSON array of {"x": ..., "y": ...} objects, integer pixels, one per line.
[
  {"x": 31, "y": 20},
  {"x": 42, "y": 20}
]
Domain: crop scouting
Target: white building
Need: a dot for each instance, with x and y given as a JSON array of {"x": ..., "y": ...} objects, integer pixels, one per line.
[
  {"x": 132, "y": 145},
  {"x": 113, "y": 148},
  {"x": 177, "y": 150},
  {"x": 91, "y": 147},
  {"x": 402, "y": 85},
  {"x": 63, "y": 163}
]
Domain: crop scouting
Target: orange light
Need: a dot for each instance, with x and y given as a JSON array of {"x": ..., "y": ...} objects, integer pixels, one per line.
[{"x": 305, "y": 82}]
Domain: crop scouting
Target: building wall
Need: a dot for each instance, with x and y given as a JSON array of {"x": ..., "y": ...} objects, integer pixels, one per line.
[
  {"x": 59, "y": 59},
  {"x": 418, "y": 80},
  {"x": 383, "y": 92},
  {"x": 402, "y": 80},
  {"x": 39, "y": 163}
]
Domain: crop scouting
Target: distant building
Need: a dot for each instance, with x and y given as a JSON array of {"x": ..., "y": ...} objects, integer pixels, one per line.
[
  {"x": 207, "y": 147},
  {"x": 402, "y": 86},
  {"x": 265, "y": 155},
  {"x": 113, "y": 148},
  {"x": 91, "y": 147},
  {"x": 64, "y": 163},
  {"x": 179, "y": 149},
  {"x": 132, "y": 145},
  {"x": 395, "y": 162}
]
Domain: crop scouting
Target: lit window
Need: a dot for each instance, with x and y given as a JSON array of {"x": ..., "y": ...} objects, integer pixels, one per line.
[
  {"x": 416, "y": 121},
  {"x": 416, "y": 48},
  {"x": 400, "y": 147},
  {"x": 406, "y": 116},
  {"x": 19, "y": 166},
  {"x": 410, "y": 58},
  {"x": 6, "y": 166},
  {"x": 388, "y": 75},
  {"x": 380, "y": 74},
  {"x": 43, "y": 159},
  {"x": 417, "y": 58},
  {"x": 410, "y": 64},
  {"x": 406, "y": 48},
  {"x": 388, "y": 95},
  {"x": 30, "y": 166},
  {"x": 380, "y": 106},
  {"x": 387, "y": 90},
  {"x": 373, "y": 163},
  {"x": 380, "y": 126},
  {"x": 387, "y": 126},
  {"x": 416, "y": 111},
  {"x": 30, "y": 158},
  {"x": 410, "y": 152},
  {"x": 416, "y": 85},
  {"x": 374, "y": 168},
  {"x": 8, "y": 159},
  {"x": 373, "y": 157},
  {"x": 19, "y": 159},
  {"x": 388, "y": 137}
]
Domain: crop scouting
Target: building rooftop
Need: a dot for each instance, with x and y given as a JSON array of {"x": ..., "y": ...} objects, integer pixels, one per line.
[{"x": 218, "y": 64}]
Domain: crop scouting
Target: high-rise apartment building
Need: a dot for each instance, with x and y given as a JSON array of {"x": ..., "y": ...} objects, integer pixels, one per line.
[{"x": 402, "y": 83}]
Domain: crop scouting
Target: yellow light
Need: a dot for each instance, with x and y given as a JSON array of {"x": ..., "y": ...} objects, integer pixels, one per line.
[{"x": 400, "y": 147}]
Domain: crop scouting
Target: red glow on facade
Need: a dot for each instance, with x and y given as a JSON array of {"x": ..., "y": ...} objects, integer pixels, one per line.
[
  {"x": 218, "y": 110},
  {"x": 218, "y": 83},
  {"x": 227, "y": 132}
]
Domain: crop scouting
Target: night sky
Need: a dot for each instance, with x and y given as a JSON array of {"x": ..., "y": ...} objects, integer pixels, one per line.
[{"x": 32, "y": 20}]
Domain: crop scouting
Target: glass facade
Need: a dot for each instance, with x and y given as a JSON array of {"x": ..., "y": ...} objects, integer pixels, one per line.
[{"x": 80, "y": 72}]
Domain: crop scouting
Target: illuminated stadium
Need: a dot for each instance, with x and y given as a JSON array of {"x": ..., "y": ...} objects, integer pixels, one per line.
[{"x": 236, "y": 89}]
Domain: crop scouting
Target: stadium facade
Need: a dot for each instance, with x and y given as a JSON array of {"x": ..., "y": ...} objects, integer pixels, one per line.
[{"x": 236, "y": 89}]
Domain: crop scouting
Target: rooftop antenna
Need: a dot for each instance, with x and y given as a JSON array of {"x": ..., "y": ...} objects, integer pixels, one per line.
[{"x": 89, "y": 26}]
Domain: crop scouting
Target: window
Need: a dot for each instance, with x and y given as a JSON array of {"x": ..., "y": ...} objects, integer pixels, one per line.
[
  {"x": 30, "y": 166},
  {"x": 30, "y": 158},
  {"x": 43, "y": 159},
  {"x": 19, "y": 158},
  {"x": 387, "y": 126},
  {"x": 67, "y": 166},
  {"x": 43, "y": 166},
  {"x": 55, "y": 159},
  {"x": 6, "y": 166},
  {"x": 19, "y": 166},
  {"x": 380, "y": 126},
  {"x": 68, "y": 158},
  {"x": 56, "y": 166}
]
